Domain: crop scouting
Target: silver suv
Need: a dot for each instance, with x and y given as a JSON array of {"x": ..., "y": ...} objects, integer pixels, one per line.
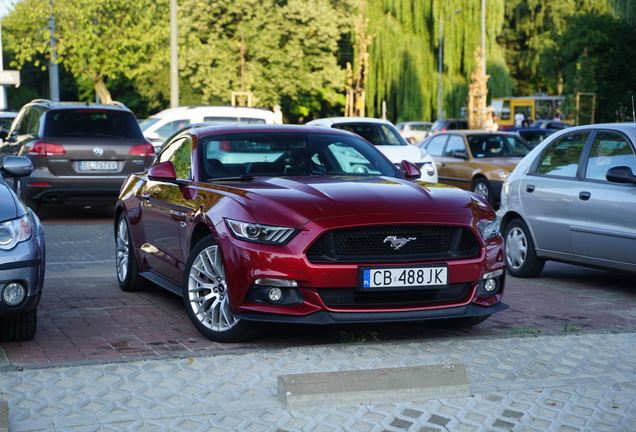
[{"x": 81, "y": 152}]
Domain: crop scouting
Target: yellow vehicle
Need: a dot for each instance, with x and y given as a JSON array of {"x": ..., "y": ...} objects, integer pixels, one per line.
[{"x": 533, "y": 108}]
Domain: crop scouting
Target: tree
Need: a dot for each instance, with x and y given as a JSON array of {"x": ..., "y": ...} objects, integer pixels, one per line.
[
  {"x": 529, "y": 29},
  {"x": 96, "y": 40},
  {"x": 283, "y": 52},
  {"x": 589, "y": 56},
  {"x": 403, "y": 61}
]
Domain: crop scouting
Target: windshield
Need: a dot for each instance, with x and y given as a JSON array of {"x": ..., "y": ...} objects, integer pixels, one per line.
[
  {"x": 146, "y": 123},
  {"x": 491, "y": 145},
  {"x": 291, "y": 154}
]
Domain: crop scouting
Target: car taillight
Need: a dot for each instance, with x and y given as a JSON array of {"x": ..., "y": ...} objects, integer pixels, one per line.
[
  {"x": 143, "y": 150},
  {"x": 46, "y": 149}
]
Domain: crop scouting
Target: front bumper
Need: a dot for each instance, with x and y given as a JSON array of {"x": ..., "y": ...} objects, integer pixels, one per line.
[{"x": 23, "y": 264}]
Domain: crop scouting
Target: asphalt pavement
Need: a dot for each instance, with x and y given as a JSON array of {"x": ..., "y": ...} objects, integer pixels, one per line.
[{"x": 104, "y": 360}]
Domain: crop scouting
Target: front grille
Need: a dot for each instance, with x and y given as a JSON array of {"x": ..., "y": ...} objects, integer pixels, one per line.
[
  {"x": 378, "y": 244},
  {"x": 351, "y": 298}
]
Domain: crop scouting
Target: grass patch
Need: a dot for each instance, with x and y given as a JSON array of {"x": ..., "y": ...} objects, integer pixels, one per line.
[
  {"x": 568, "y": 328},
  {"x": 522, "y": 330}
]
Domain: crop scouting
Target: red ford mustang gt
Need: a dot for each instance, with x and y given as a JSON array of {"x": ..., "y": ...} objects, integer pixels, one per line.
[{"x": 299, "y": 224}]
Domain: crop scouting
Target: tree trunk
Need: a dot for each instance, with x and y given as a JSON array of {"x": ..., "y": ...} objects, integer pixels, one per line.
[{"x": 103, "y": 95}]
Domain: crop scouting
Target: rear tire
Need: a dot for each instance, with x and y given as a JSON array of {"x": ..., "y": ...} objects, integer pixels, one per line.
[
  {"x": 127, "y": 268},
  {"x": 206, "y": 299},
  {"x": 482, "y": 188},
  {"x": 21, "y": 327},
  {"x": 521, "y": 256}
]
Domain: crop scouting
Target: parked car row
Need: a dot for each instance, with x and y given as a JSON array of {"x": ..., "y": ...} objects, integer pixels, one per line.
[{"x": 340, "y": 220}]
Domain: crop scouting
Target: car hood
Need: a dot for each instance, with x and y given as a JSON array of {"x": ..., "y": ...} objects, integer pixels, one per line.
[
  {"x": 8, "y": 205},
  {"x": 298, "y": 200}
]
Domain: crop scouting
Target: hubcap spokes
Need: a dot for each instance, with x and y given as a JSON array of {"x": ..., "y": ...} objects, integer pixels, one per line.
[
  {"x": 122, "y": 250},
  {"x": 516, "y": 248},
  {"x": 207, "y": 291}
]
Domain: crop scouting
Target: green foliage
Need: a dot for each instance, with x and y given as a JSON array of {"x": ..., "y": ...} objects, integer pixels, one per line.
[
  {"x": 278, "y": 51},
  {"x": 404, "y": 55},
  {"x": 590, "y": 56},
  {"x": 97, "y": 40}
]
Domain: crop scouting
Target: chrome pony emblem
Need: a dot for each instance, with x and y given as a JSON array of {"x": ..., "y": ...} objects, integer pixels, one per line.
[
  {"x": 98, "y": 151},
  {"x": 397, "y": 243}
]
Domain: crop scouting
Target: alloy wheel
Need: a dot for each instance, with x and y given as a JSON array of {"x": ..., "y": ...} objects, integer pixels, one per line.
[
  {"x": 207, "y": 291},
  {"x": 122, "y": 251}
]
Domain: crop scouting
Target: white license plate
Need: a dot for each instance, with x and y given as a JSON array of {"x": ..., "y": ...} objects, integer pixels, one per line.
[
  {"x": 98, "y": 165},
  {"x": 374, "y": 278}
]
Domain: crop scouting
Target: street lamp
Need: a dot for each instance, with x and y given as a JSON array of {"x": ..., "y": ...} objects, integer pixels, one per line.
[{"x": 440, "y": 102}]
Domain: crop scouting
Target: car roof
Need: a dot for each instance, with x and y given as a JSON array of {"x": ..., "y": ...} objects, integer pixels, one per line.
[
  {"x": 78, "y": 105},
  {"x": 239, "y": 128},
  {"x": 466, "y": 132},
  {"x": 207, "y": 108},
  {"x": 341, "y": 120}
]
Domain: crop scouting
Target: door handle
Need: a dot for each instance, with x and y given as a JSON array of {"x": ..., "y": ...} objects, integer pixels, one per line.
[
  {"x": 584, "y": 196},
  {"x": 530, "y": 188}
]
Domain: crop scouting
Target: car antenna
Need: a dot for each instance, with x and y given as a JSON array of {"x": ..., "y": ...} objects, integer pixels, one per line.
[{"x": 633, "y": 110}]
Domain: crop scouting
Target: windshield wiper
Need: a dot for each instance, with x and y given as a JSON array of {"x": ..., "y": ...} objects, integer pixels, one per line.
[{"x": 244, "y": 177}]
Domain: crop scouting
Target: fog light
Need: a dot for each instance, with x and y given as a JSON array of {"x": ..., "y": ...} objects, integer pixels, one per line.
[
  {"x": 274, "y": 294},
  {"x": 490, "y": 285},
  {"x": 13, "y": 294}
]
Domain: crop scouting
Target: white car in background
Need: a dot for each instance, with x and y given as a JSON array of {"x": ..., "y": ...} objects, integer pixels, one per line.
[
  {"x": 158, "y": 127},
  {"x": 385, "y": 136}
]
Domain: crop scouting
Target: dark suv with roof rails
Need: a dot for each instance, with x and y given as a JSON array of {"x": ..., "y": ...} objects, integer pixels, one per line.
[{"x": 81, "y": 152}]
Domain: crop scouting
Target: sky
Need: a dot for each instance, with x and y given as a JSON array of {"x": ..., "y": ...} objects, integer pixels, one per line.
[{"x": 4, "y": 6}]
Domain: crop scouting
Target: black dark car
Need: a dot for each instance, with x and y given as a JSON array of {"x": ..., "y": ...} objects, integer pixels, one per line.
[
  {"x": 81, "y": 152},
  {"x": 449, "y": 124},
  {"x": 532, "y": 135}
]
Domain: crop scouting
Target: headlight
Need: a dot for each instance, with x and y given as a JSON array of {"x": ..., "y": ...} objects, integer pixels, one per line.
[
  {"x": 14, "y": 232},
  {"x": 257, "y": 233},
  {"x": 503, "y": 175},
  {"x": 490, "y": 229}
]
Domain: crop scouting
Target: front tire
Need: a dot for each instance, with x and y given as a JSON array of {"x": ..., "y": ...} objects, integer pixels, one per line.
[
  {"x": 127, "y": 268},
  {"x": 521, "y": 256},
  {"x": 20, "y": 327},
  {"x": 206, "y": 299}
]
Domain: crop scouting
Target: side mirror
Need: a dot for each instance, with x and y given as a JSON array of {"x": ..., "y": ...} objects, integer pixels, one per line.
[
  {"x": 154, "y": 137},
  {"x": 409, "y": 170},
  {"x": 460, "y": 154},
  {"x": 163, "y": 171},
  {"x": 16, "y": 166},
  {"x": 621, "y": 174}
]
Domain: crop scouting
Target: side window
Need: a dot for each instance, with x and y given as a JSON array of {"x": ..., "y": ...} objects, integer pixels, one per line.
[
  {"x": 171, "y": 127},
  {"x": 179, "y": 152},
  {"x": 455, "y": 145},
  {"x": 610, "y": 149},
  {"x": 435, "y": 146},
  {"x": 561, "y": 158},
  {"x": 28, "y": 123}
]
